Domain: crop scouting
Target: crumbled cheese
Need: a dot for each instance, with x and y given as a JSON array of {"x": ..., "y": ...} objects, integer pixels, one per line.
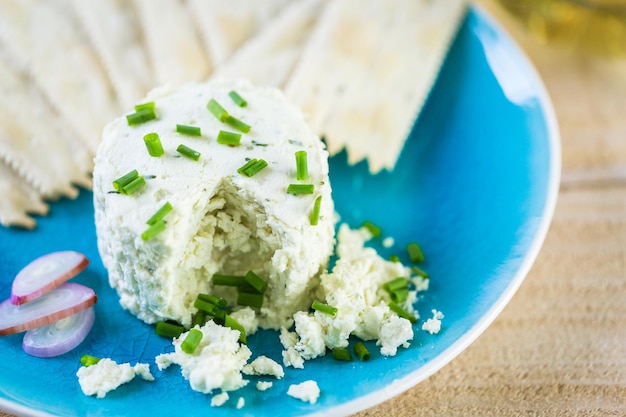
[
  {"x": 291, "y": 357},
  {"x": 433, "y": 325},
  {"x": 246, "y": 316},
  {"x": 263, "y": 365},
  {"x": 241, "y": 402},
  {"x": 311, "y": 343},
  {"x": 219, "y": 399},
  {"x": 395, "y": 332},
  {"x": 264, "y": 385},
  {"x": 107, "y": 375},
  {"x": 217, "y": 362},
  {"x": 307, "y": 391},
  {"x": 388, "y": 242}
]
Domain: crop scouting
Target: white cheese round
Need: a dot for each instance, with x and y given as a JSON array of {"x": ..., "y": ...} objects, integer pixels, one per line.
[{"x": 222, "y": 221}]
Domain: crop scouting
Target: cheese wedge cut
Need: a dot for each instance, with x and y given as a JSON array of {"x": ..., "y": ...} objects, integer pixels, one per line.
[{"x": 221, "y": 222}]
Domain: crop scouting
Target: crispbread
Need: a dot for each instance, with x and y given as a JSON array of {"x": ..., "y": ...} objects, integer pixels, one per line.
[
  {"x": 113, "y": 29},
  {"x": 33, "y": 141},
  {"x": 18, "y": 200},
  {"x": 43, "y": 37},
  {"x": 269, "y": 57},
  {"x": 174, "y": 47},
  {"x": 226, "y": 25},
  {"x": 368, "y": 69}
]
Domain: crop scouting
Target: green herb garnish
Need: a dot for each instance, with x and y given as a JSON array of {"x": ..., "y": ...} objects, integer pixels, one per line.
[
  {"x": 415, "y": 253},
  {"x": 302, "y": 168},
  {"x": 418, "y": 271},
  {"x": 394, "y": 258},
  {"x": 188, "y": 130},
  {"x": 252, "y": 167},
  {"x": 235, "y": 325},
  {"x": 374, "y": 230},
  {"x": 342, "y": 354},
  {"x": 402, "y": 312},
  {"x": 299, "y": 189},
  {"x": 153, "y": 230},
  {"x": 250, "y": 299},
  {"x": 141, "y": 116},
  {"x": 361, "y": 351},
  {"x": 191, "y": 342},
  {"x": 324, "y": 308},
  {"x": 125, "y": 179},
  {"x": 153, "y": 144},
  {"x": 237, "y": 124},
  {"x": 218, "y": 111},
  {"x": 315, "y": 212},
  {"x": 148, "y": 105},
  {"x": 160, "y": 213},
  {"x": 188, "y": 152},
  {"x": 88, "y": 360},
  {"x": 166, "y": 329},
  {"x": 228, "y": 280},
  {"x": 134, "y": 185},
  {"x": 228, "y": 138},
  {"x": 238, "y": 99}
]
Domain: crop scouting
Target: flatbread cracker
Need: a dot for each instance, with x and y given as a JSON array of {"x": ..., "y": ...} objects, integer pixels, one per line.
[
  {"x": 226, "y": 25},
  {"x": 33, "y": 141},
  {"x": 174, "y": 47},
  {"x": 18, "y": 200},
  {"x": 368, "y": 69},
  {"x": 114, "y": 30},
  {"x": 43, "y": 37},
  {"x": 269, "y": 58}
]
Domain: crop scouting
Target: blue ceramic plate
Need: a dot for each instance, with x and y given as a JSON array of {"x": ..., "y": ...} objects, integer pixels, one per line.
[{"x": 476, "y": 185}]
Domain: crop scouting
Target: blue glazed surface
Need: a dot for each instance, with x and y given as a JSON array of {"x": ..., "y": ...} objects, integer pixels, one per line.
[{"x": 475, "y": 185}]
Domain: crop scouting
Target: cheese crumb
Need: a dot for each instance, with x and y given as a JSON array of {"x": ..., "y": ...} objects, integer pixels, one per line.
[
  {"x": 107, "y": 375},
  {"x": 433, "y": 325},
  {"x": 241, "y": 402},
  {"x": 264, "y": 385},
  {"x": 246, "y": 316},
  {"x": 307, "y": 391},
  {"x": 219, "y": 399},
  {"x": 264, "y": 366},
  {"x": 216, "y": 363}
]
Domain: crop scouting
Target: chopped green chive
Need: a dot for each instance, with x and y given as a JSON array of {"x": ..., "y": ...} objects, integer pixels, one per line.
[
  {"x": 153, "y": 230},
  {"x": 238, "y": 99},
  {"x": 235, "y": 325},
  {"x": 395, "y": 284},
  {"x": 205, "y": 305},
  {"x": 124, "y": 180},
  {"x": 153, "y": 143},
  {"x": 140, "y": 116},
  {"x": 342, "y": 354},
  {"x": 418, "y": 271},
  {"x": 191, "y": 342},
  {"x": 402, "y": 312},
  {"x": 299, "y": 189},
  {"x": 302, "y": 167},
  {"x": 134, "y": 185},
  {"x": 228, "y": 280},
  {"x": 394, "y": 258},
  {"x": 315, "y": 212},
  {"x": 361, "y": 351},
  {"x": 399, "y": 295},
  {"x": 188, "y": 152},
  {"x": 324, "y": 308},
  {"x": 88, "y": 360},
  {"x": 218, "y": 111},
  {"x": 228, "y": 138},
  {"x": 252, "y": 167},
  {"x": 255, "y": 282},
  {"x": 237, "y": 124},
  {"x": 160, "y": 213},
  {"x": 189, "y": 130},
  {"x": 218, "y": 301},
  {"x": 199, "y": 319},
  {"x": 148, "y": 105},
  {"x": 415, "y": 253},
  {"x": 373, "y": 229},
  {"x": 170, "y": 330},
  {"x": 250, "y": 299}
]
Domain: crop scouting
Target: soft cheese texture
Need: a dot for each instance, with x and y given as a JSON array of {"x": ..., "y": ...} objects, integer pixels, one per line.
[
  {"x": 222, "y": 221},
  {"x": 107, "y": 375}
]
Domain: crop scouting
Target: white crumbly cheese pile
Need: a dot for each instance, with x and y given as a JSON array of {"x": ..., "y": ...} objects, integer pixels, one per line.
[
  {"x": 216, "y": 363},
  {"x": 433, "y": 325},
  {"x": 263, "y": 365},
  {"x": 307, "y": 391},
  {"x": 106, "y": 375},
  {"x": 222, "y": 221},
  {"x": 354, "y": 287}
]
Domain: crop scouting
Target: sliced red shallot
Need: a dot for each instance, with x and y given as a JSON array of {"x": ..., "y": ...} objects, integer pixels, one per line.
[
  {"x": 45, "y": 273},
  {"x": 67, "y": 299},
  {"x": 59, "y": 337}
]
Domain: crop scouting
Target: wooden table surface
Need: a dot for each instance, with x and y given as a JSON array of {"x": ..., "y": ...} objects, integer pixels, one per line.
[{"x": 559, "y": 347}]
